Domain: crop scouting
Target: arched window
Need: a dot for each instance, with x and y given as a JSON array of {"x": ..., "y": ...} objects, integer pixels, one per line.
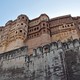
[
  {"x": 21, "y": 23},
  {"x": 37, "y": 28},
  {"x": 34, "y": 28},
  {"x": 43, "y": 24},
  {"x": 22, "y": 17},
  {"x": 20, "y": 30}
]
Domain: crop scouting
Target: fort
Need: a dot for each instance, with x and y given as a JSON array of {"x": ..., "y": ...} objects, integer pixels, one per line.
[
  {"x": 37, "y": 32},
  {"x": 40, "y": 49},
  {"x": 54, "y": 61}
]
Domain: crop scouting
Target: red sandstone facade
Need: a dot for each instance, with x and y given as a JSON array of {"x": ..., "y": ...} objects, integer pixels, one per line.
[{"x": 37, "y": 32}]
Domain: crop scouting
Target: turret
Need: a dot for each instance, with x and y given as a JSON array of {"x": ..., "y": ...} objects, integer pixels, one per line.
[
  {"x": 18, "y": 32},
  {"x": 23, "y": 17}
]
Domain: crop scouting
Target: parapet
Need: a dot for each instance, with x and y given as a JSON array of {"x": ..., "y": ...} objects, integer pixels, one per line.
[
  {"x": 71, "y": 44},
  {"x": 23, "y": 17},
  {"x": 9, "y": 23}
]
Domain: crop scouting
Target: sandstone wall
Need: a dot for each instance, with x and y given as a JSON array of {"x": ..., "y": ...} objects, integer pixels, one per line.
[{"x": 54, "y": 61}]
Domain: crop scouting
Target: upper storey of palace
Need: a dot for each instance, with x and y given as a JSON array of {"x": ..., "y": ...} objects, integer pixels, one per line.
[
  {"x": 27, "y": 27},
  {"x": 43, "y": 17}
]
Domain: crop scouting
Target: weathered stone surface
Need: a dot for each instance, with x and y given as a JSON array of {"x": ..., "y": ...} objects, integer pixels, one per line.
[{"x": 55, "y": 61}]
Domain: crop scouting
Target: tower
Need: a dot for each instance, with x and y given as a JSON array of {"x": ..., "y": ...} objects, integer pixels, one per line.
[{"x": 18, "y": 33}]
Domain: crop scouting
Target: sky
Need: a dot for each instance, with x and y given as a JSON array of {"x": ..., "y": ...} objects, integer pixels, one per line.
[{"x": 10, "y": 9}]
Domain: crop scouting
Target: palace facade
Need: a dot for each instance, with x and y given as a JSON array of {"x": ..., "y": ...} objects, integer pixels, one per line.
[
  {"x": 37, "y": 32},
  {"x": 40, "y": 49}
]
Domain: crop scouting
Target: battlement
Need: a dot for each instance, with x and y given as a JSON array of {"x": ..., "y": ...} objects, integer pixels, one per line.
[
  {"x": 51, "y": 59},
  {"x": 21, "y": 54}
]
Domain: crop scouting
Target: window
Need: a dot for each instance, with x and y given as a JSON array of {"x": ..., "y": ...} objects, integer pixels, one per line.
[
  {"x": 16, "y": 31},
  {"x": 22, "y": 17},
  {"x": 20, "y": 30},
  {"x": 34, "y": 34},
  {"x": 24, "y": 33},
  {"x": 21, "y": 23},
  {"x": 44, "y": 30},
  {"x": 26, "y": 20},
  {"x": 45, "y": 48},
  {"x": 43, "y": 24},
  {"x": 37, "y": 33},
  {"x": 29, "y": 30},
  {"x": 34, "y": 28},
  {"x": 65, "y": 25},
  {"x": 37, "y": 28},
  {"x": 68, "y": 25},
  {"x": 71, "y": 24},
  {"x": 62, "y": 26}
]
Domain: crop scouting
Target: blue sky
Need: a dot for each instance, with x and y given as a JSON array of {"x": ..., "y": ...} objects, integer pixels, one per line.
[{"x": 10, "y": 9}]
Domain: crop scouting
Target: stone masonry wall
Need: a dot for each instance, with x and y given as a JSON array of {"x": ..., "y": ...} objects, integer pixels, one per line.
[{"x": 54, "y": 61}]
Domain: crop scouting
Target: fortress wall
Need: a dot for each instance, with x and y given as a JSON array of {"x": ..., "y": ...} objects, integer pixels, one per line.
[
  {"x": 35, "y": 42},
  {"x": 14, "y": 58},
  {"x": 46, "y": 62},
  {"x": 14, "y": 44},
  {"x": 18, "y": 56}
]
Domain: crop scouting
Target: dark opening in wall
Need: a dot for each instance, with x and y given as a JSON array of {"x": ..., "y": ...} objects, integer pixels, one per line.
[
  {"x": 71, "y": 24},
  {"x": 24, "y": 33},
  {"x": 47, "y": 25},
  {"x": 34, "y": 34},
  {"x": 63, "y": 26},
  {"x": 68, "y": 25},
  {"x": 20, "y": 30},
  {"x": 34, "y": 28},
  {"x": 46, "y": 48},
  {"x": 37, "y": 28},
  {"x": 31, "y": 29},
  {"x": 37, "y": 33},
  {"x": 22, "y": 17},
  {"x": 26, "y": 20},
  {"x": 21, "y": 23},
  {"x": 43, "y": 24},
  {"x": 44, "y": 30},
  {"x": 16, "y": 31}
]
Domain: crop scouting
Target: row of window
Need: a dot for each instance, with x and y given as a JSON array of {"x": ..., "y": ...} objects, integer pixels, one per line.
[
  {"x": 21, "y": 32},
  {"x": 45, "y": 24},
  {"x": 36, "y": 28},
  {"x": 33, "y": 29},
  {"x": 72, "y": 32},
  {"x": 37, "y": 21},
  {"x": 21, "y": 24},
  {"x": 38, "y": 34},
  {"x": 68, "y": 25},
  {"x": 23, "y": 18},
  {"x": 33, "y": 35},
  {"x": 64, "y": 34}
]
